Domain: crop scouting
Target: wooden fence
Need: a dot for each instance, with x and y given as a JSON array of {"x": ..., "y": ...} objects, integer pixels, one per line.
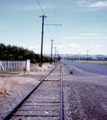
[{"x": 12, "y": 65}]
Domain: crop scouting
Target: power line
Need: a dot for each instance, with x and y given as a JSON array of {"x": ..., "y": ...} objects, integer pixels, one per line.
[
  {"x": 81, "y": 21},
  {"x": 48, "y": 28},
  {"x": 55, "y": 11},
  {"x": 45, "y": 19},
  {"x": 18, "y": 20},
  {"x": 27, "y": 7},
  {"x": 17, "y": 30},
  {"x": 20, "y": 6},
  {"x": 56, "y": 18},
  {"x": 41, "y": 8}
]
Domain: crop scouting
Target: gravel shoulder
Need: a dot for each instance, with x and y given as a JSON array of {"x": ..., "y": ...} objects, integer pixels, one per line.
[{"x": 85, "y": 95}]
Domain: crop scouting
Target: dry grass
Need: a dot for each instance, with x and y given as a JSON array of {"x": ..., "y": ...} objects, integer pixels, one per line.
[
  {"x": 6, "y": 84},
  {"x": 36, "y": 68},
  {"x": 95, "y": 62}
]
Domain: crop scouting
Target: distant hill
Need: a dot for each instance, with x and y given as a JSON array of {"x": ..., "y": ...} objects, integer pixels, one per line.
[
  {"x": 81, "y": 56},
  {"x": 19, "y": 53}
]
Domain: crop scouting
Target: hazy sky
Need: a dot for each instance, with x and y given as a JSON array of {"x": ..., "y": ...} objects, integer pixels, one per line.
[{"x": 84, "y": 25}]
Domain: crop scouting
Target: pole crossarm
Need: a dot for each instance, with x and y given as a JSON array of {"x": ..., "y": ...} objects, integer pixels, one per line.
[
  {"x": 43, "y": 16},
  {"x": 54, "y": 24}
]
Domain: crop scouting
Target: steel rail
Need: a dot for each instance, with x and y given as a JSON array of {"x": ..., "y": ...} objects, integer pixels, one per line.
[
  {"x": 61, "y": 111},
  {"x": 19, "y": 105}
]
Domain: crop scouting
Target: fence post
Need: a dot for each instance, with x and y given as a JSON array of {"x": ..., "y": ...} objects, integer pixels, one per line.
[
  {"x": 15, "y": 64},
  {"x": 0, "y": 65},
  {"x": 5, "y": 65},
  {"x": 24, "y": 65},
  {"x": 28, "y": 65}
]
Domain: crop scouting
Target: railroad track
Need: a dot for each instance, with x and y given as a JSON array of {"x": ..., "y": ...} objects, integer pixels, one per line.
[{"x": 44, "y": 102}]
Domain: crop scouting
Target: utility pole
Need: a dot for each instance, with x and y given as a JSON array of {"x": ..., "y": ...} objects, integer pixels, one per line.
[
  {"x": 51, "y": 50},
  {"x": 55, "y": 54},
  {"x": 79, "y": 56},
  {"x": 58, "y": 55},
  {"x": 87, "y": 55},
  {"x": 43, "y": 16}
]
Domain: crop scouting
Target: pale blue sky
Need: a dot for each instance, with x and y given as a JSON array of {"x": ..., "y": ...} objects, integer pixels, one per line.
[{"x": 84, "y": 25}]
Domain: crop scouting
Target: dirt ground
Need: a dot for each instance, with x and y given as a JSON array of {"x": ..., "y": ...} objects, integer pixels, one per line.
[{"x": 14, "y": 87}]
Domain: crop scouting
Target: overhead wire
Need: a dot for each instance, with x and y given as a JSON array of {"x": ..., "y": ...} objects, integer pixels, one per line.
[
  {"x": 81, "y": 21},
  {"x": 45, "y": 19},
  {"x": 55, "y": 11},
  {"x": 40, "y": 7},
  {"x": 48, "y": 29},
  {"x": 27, "y": 6},
  {"x": 21, "y": 7},
  {"x": 18, "y": 20},
  {"x": 17, "y": 30},
  {"x": 55, "y": 18},
  {"x": 15, "y": 20},
  {"x": 91, "y": 21}
]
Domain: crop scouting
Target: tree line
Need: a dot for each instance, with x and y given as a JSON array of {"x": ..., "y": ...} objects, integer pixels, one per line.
[{"x": 19, "y": 53}]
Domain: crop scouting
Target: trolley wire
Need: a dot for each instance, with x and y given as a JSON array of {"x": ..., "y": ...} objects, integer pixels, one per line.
[
  {"x": 19, "y": 30},
  {"x": 27, "y": 7},
  {"x": 40, "y": 7},
  {"x": 80, "y": 21},
  {"x": 19, "y": 20},
  {"x": 48, "y": 28},
  {"x": 55, "y": 18},
  {"x": 55, "y": 11},
  {"x": 45, "y": 19},
  {"x": 21, "y": 7}
]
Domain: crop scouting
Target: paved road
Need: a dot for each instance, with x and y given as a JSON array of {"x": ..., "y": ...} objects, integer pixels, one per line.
[{"x": 93, "y": 68}]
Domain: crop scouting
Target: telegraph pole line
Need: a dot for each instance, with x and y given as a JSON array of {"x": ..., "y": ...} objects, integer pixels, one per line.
[
  {"x": 87, "y": 55},
  {"x": 43, "y": 16},
  {"x": 51, "y": 50},
  {"x": 55, "y": 54}
]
